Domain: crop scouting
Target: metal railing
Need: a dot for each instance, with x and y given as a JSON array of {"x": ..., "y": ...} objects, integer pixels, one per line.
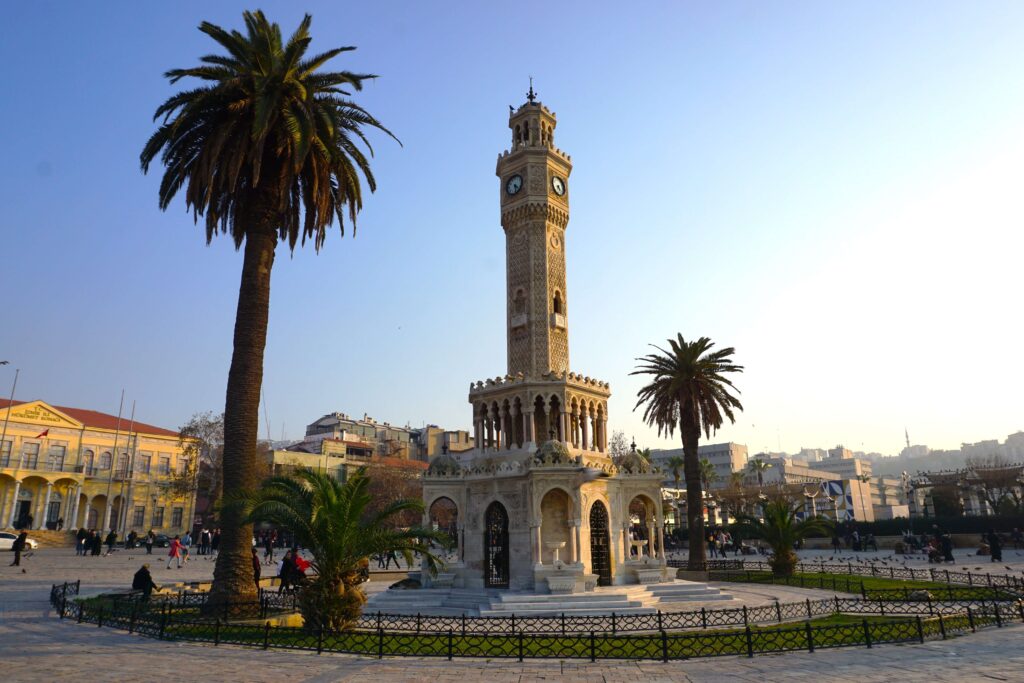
[{"x": 160, "y": 621}]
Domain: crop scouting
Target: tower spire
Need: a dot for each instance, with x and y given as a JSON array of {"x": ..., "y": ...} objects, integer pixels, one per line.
[{"x": 531, "y": 96}]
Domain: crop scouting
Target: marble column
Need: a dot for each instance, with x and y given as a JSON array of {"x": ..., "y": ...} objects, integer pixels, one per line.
[
  {"x": 462, "y": 543},
  {"x": 650, "y": 541},
  {"x": 535, "y": 544},
  {"x": 585, "y": 428},
  {"x": 563, "y": 422},
  {"x": 73, "y": 517},
  {"x": 577, "y": 547},
  {"x": 625, "y": 542},
  {"x": 106, "y": 516},
  {"x": 46, "y": 506},
  {"x": 661, "y": 542},
  {"x": 506, "y": 427},
  {"x": 528, "y": 438},
  {"x": 14, "y": 502}
]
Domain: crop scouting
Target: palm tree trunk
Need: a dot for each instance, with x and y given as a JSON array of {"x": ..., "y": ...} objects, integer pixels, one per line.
[
  {"x": 233, "y": 575},
  {"x": 690, "y": 431}
]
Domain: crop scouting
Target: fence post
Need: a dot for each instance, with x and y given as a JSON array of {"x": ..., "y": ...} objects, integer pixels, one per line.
[
  {"x": 163, "y": 622},
  {"x": 81, "y": 613},
  {"x": 867, "y": 632},
  {"x": 750, "y": 642},
  {"x": 380, "y": 643},
  {"x": 664, "y": 646},
  {"x": 703, "y": 618},
  {"x": 778, "y": 610},
  {"x": 593, "y": 648},
  {"x": 881, "y": 606},
  {"x": 931, "y": 610},
  {"x": 942, "y": 626},
  {"x": 920, "y": 630},
  {"x": 660, "y": 626},
  {"x": 418, "y": 623},
  {"x": 949, "y": 589},
  {"x": 613, "y": 622},
  {"x": 99, "y": 621},
  {"x": 810, "y": 636},
  {"x": 514, "y": 621},
  {"x": 266, "y": 636},
  {"x": 863, "y": 593},
  {"x": 809, "y": 615},
  {"x": 463, "y": 624},
  {"x": 836, "y": 597},
  {"x": 519, "y": 638},
  {"x": 216, "y": 633},
  {"x": 970, "y": 579},
  {"x": 1020, "y": 608},
  {"x": 970, "y": 618},
  {"x": 745, "y": 621},
  {"x": 999, "y": 618}
]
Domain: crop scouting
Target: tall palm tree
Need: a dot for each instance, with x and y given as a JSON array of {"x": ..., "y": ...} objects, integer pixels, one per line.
[
  {"x": 331, "y": 519},
  {"x": 689, "y": 391},
  {"x": 267, "y": 150},
  {"x": 758, "y": 467},
  {"x": 781, "y": 528}
]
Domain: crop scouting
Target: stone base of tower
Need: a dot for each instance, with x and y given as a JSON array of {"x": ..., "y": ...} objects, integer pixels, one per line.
[{"x": 557, "y": 519}]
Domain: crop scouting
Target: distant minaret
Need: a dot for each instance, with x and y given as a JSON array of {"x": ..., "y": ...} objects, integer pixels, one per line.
[{"x": 907, "y": 435}]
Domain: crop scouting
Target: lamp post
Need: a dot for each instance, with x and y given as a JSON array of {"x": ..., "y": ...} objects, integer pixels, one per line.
[{"x": 908, "y": 491}]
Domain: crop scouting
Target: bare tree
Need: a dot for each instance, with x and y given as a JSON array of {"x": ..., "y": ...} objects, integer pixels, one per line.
[
  {"x": 617, "y": 445},
  {"x": 997, "y": 480}
]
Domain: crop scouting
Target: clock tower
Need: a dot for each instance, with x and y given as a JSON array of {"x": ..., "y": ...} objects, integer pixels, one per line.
[{"x": 534, "y": 189}]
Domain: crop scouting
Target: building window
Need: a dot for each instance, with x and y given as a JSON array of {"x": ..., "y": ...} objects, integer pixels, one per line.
[
  {"x": 30, "y": 456},
  {"x": 122, "y": 465},
  {"x": 87, "y": 463},
  {"x": 176, "y": 516},
  {"x": 105, "y": 460},
  {"x": 139, "y": 518},
  {"x": 5, "y": 453},
  {"x": 143, "y": 461},
  {"x": 55, "y": 458},
  {"x": 158, "y": 517},
  {"x": 165, "y": 465}
]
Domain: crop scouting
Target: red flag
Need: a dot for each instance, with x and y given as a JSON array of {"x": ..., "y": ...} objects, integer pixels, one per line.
[{"x": 43, "y": 434}]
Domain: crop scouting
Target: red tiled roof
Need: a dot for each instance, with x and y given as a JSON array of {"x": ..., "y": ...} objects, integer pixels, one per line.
[{"x": 92, "y": 418}]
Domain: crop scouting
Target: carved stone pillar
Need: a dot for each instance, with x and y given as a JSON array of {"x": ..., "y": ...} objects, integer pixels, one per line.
[
  {"x": 576, "y": 542},
  {"x": 507, "y": 438},
  {"x": 661, "y": 542},
  {"x": 528, "y": 427},
  {"x": 514, "y": 424},
  {"x": 535, "y": 544},
  {"x": 650, "y": 540},
  {"x": 563, "y": 423},
  {"x": 585, "y": 425},
  {"x": 625, "y": 542}
]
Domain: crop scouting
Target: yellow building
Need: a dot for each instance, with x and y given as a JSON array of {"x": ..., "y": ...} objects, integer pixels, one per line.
[{"x": 89, "y": 469}]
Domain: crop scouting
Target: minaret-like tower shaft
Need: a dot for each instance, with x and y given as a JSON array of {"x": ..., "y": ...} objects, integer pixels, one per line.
[{"x": 534, "y": 214}]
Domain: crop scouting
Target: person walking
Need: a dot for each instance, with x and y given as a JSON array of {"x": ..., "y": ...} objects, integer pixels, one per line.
[
  {"x": 285, "y": 573},
  {"x": 111, "y": 540},
  {"x": 256, "y": 568},
  {"x": 143, "y": 581},
  {"x": 268, "y": 548},
  {"x": 18, "y": 547},
  {"x": 174, "y": 552},
  {"x": 80, "y": 537},
  {"x": 150, "y": 537},
  {"x": 97, "y": 543},
  {"x": 995, "y": 546},
  {"x": 215, "y": 541}
]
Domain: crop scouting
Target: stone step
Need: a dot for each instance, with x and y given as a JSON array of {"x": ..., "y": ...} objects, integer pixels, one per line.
[
  {"x": 570, "y": 598},
  {"x": 539, "y": 612}
]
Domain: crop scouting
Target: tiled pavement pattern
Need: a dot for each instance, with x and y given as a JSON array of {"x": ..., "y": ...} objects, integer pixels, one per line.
[{"x": 35, "y": 646}]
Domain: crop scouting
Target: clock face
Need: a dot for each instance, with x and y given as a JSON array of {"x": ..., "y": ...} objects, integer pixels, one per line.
[
  {"x": 558, "y": 185},
  {"x": 514, "y": 184}
]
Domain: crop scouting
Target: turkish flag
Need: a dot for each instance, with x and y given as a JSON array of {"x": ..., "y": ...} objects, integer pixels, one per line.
[{"x": 43, "y": 434}]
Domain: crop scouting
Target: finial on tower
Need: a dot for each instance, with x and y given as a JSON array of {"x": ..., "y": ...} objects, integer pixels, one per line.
[{"x": 531, "y": 96}]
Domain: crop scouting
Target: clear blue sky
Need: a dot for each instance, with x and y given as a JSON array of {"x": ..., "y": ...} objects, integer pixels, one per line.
[{"x": 832, "y": 188}]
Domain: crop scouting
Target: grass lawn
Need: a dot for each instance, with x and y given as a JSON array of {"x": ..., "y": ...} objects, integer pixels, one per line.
[{"x": 852, "y": 584}]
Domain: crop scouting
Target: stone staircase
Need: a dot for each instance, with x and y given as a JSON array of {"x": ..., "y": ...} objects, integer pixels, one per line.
[{"x": 631, "y": 599}]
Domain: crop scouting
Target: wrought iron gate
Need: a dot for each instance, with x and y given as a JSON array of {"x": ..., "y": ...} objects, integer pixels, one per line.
[
  {"x": 496, "y": 546},
  {"x": 600, "y": 560}
]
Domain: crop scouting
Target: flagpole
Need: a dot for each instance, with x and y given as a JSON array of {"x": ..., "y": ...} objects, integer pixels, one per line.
[
  {"x": 113, "y": 463},
  {"x": 7, "y": 417},
  {"x": 122, "y": 512}
]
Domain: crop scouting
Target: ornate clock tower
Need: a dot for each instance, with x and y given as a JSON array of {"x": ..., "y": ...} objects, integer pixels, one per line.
[
  {"x": 539, "y": 481},
  {"x": 534, "y": 178}
]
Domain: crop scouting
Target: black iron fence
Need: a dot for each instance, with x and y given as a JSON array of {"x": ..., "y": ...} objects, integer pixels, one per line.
[
  {"x": 872, "y": 569},
  {"x": 663, "y": 644}
]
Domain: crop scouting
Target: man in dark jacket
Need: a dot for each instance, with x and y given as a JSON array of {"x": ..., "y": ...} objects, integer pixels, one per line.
[
  {"x": 256, "y": 568},
  {"x": 18, "y": 546},
  {"x": 143, "y": 581},
  {"x": 995, "y": 545}
]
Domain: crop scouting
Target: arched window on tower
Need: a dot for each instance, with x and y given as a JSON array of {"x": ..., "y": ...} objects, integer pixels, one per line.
[
  {"x": 519, "y": 135},
  {"x": 557, "y": 304}
]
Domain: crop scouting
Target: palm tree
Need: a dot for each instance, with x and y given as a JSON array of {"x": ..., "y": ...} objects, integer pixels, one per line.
[
  {"x": 267, "y": 150},
  {"x": 781, "y": 529},
  {"x": 708, "y": 475},
  {"x": 758, "y": 467},
  {"x": 689, "y": 391},
  {"x": 675, "y": 466},
  {"x": 331, "y": 519}
]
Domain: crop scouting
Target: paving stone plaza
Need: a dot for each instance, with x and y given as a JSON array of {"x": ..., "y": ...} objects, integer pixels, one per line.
[{"x": 37, "y": 646}]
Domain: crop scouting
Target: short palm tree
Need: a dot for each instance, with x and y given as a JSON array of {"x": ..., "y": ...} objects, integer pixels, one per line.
[
  {"x": 708, "y": 474},
  {"x": 758, "y": 467},
  {"x": 689, "y": 391},
  {"x": 781, "y": 528},
  {"x": 266, "y": 150},
  {"x": 675, "y": 466},
  {"x": 331, "y": 519}
]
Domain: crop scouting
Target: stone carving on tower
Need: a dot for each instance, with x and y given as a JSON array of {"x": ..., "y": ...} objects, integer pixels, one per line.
[{"x": 539, "y": 477}]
